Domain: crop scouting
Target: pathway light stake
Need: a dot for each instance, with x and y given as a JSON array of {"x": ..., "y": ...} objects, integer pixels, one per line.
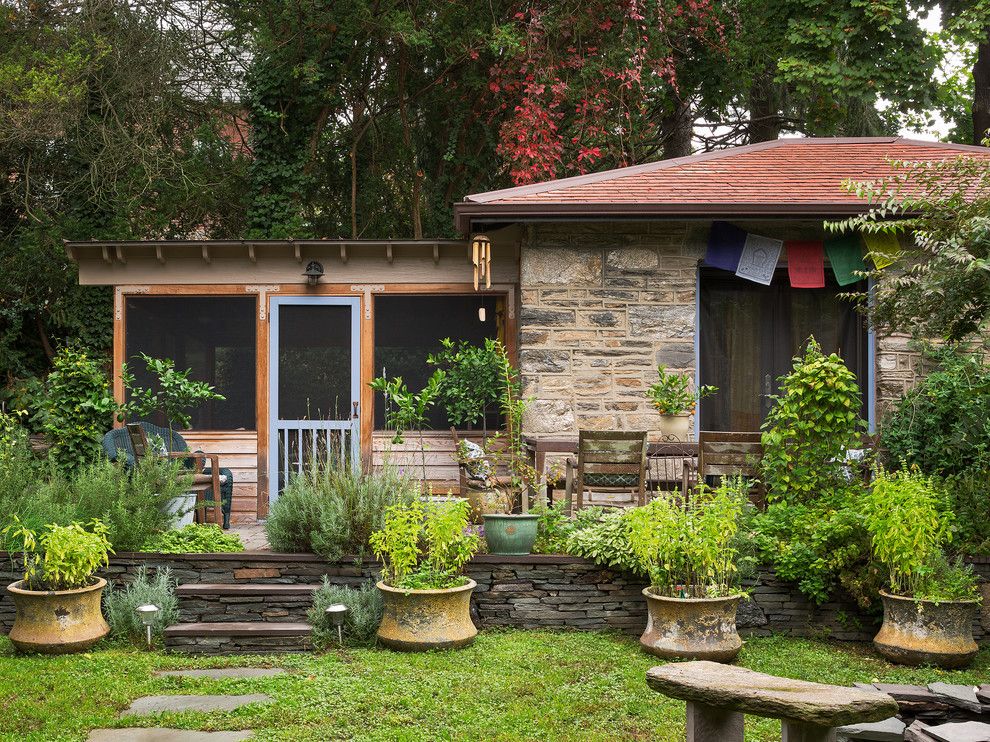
[
  {"x": 147, "y": 613},
  {"x": 336, "y": 614}
]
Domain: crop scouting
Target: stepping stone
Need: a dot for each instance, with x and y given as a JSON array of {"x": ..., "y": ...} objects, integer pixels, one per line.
[
  {"x": 157, "y": 704},
  {"x": 969, "y": 731},
  {"x": 888, "y": 730},
  {"x": 223, "y": 673},
  {"x": 160, "y": 734},
  {"x": 963, "y": 696}
]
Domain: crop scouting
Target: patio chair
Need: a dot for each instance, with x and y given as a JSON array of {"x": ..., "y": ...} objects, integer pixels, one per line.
[
  {"x": 727, "y": 454},
  {"x": 133, "y": 442},
  {"x": 609, "y": 462}
]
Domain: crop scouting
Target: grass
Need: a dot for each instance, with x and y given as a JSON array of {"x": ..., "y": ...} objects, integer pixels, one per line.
[{"x": 510, "y": 685}]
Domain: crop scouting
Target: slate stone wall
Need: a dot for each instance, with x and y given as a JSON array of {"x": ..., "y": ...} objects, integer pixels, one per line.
[{"x": 539, "y": 591}]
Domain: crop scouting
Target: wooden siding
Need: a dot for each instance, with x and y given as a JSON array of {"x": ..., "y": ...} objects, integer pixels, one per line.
[{"x": 238, "y": 451}]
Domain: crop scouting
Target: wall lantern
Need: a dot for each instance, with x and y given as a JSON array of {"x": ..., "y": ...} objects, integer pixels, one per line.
[
  {"x": 481, "y": 257},
  {"x": 313, "y": 272},
  {"x": 147, "y": 613},
  {"x": 336, "y": 613}
]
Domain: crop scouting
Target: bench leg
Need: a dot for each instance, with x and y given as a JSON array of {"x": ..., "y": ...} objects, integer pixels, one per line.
[
  {"x": 711, "y": 724},
  {"x": 798, "y": 731}
]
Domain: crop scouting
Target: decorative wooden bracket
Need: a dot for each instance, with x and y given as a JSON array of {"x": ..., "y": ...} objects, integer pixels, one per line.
[
  {"x": 262, "y": 291},
  {"x": 367, "y": 289},
  {"x": 118, "y": 298}
]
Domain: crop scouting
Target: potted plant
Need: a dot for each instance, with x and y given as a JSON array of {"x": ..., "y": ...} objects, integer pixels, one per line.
[
  {"x": 427, "y": 598},
  {"x": 58, "y": 601},
  {"x": 687, "y": 551},
  {"x": 929, "y": 608},
  {"x": 511, "y": 533},
  {"x": 673, "y": 398}
]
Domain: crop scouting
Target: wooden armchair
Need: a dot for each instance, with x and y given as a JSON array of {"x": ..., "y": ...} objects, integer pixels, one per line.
[
  {"x": 610, "y": 462},
  {"x": 727, "y": 454},
  {"x": 202, "y": 483}
]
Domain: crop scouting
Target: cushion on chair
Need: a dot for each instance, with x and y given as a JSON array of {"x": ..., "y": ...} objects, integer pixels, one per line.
[{"x": 611, "y": 480}]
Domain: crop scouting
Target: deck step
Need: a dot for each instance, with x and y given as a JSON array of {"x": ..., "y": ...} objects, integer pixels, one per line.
[
  {"x": 239, "y": 637},
  {"x": 208, "y": 602}
]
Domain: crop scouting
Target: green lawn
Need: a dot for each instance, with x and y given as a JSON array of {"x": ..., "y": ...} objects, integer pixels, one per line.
[{"x": 529, "y": 685}]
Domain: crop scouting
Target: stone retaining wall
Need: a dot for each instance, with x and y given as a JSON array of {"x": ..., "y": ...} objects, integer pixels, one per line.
[{"x": 523, "y": 592}]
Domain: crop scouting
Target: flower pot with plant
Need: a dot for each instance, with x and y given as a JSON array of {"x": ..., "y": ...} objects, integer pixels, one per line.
[
  {"x": 687, "y": 550},
  {"x": 427, "y": 598},
  {"x": 671, "y": 395},
  {"x": 58, "y": 601},
  {"x": 929, "y": 608}
]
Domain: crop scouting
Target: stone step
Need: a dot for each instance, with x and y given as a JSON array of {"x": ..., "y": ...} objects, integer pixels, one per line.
[
  {"x": 239, "y": 637},
  {"x": 204, "y": 602}
]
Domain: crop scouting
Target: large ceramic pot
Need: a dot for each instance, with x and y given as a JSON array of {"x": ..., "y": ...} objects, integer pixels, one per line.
[
  {"x": 510, "y": 534},
  {"x": 418, "y": 620},
  {"x": 57, "y": 621},
  {"x": 675, "y": 427},
  {"x": 691, "y": 628},
  {"x": 485, "y": 500},
  {"x": 922, "y": 632}
]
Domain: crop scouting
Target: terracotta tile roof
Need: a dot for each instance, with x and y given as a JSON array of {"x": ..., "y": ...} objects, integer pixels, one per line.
[{"x": 784, "y": 176}]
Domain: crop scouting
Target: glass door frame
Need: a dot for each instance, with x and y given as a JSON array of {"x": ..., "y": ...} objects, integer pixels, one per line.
[{"x": 353, "y": 423}]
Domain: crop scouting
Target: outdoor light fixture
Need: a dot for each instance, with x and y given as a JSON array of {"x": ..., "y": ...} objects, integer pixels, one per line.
[
  {"x": 336, "y": 614},
  {"x": 313, "y": 272},
  {"x": 147, "y": 613},
  {"x": 482, "y": 314},
  {"x": 481, "y": 257}
]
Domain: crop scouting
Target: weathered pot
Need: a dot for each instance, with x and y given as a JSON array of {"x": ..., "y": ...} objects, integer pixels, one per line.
[
  {"x": 510, "y": 534},
  {"x": 922, "y": 632},
  {"x": 675, "y": 427},
  {"x": 484, "y": 501},
  {"x": 57, "y": 621},
  {"x": 418, "y": 620},
  {"x": 691, "y": 628}
]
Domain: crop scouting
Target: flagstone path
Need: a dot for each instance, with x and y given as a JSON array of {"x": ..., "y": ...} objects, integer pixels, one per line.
[
  {"x": 223, "y": 673},
  {"x": 158, "y": 704}
]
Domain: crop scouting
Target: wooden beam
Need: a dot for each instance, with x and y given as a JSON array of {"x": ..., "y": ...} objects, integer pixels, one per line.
[
  {"x": 388, "y": 252},
  {"x": 343, "y": 252},
  {"x": 206, "y": 254},
  {"x": 261, "y": 400},
  {"x": 160, "y": 254},
  {"x": 251, "y": 256}
]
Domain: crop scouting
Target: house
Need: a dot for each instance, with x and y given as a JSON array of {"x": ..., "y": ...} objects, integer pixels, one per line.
[{"x": 595, "y": 280}]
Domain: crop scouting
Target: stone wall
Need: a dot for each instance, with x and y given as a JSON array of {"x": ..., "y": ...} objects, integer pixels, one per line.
[
  {"x": 538, "y": 591},
  {"x": 602, "y": 303}
]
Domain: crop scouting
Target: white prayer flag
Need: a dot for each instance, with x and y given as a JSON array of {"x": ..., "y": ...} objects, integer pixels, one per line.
[{"x": 759, "y": 258}]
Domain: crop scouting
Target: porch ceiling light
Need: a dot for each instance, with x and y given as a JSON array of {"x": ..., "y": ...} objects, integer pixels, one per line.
[{"x": 313, "y": 272}]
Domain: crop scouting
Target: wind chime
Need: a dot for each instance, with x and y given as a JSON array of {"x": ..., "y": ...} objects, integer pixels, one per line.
[{"x": 481, "y": 257}]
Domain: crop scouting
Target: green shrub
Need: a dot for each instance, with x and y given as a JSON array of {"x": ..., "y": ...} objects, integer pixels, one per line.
[
  {"x": 22, "y": 479},
  {"x": 813, "y": 422},
  {"x": 333, "y": 510},
  {"x": 967, "y": 499},
  {"x": 77, "y": 408},
  {"x": 943, "y": 424},
  {"x": 61, "y": 557},
  {"x": 119, "y": 604},
  {"x": 361, "y": 622},
  {"x": 424, "y": 546},
  {"x": 194, "y": 538},
  {"x": 606, "y": 542}
]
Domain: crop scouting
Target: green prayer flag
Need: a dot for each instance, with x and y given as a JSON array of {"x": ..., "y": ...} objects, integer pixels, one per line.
[{"x": 845, "y": 255}]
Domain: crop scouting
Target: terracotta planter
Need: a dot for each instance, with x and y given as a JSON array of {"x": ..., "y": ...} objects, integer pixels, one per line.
[
  {"x": 57, "y": 621},
  {"x": 922, "y": 632},
  {"x": 511, "y": 535},
  {"x": 675, "y": 427},
  {"x": 418, "y": 620},
  {"x": 484, "y": 501},
  {"x": 691, "y": 628}
]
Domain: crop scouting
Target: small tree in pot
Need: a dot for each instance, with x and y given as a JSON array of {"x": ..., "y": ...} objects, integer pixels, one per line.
[
  {"x": 427, "y": 599},
  {"x": 58, "y": 601},
  {"x": 688, "y": 551},
  {"x": 928, "y": 612}
]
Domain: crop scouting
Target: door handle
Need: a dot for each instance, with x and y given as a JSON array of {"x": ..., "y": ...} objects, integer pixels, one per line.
[{"x": 355, "y": 415}]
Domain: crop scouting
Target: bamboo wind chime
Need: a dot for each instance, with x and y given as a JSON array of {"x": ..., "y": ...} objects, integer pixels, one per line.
[{"x": 481, "y": 257}]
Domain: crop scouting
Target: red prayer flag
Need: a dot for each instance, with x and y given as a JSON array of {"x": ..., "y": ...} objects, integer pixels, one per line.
[{"x": 806, "y": 264}]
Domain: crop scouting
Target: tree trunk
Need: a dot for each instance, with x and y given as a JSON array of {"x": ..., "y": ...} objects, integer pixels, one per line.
[
  {"x": 416, "y": 174},
  {"x": 981, "y": 91},
  {"x": 678, "y": 132},
  {"x": 764, "y": 110}
]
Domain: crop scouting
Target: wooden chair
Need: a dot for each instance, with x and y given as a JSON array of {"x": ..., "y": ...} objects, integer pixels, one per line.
[
  {"x": 609, "y": 461},
  {"x": 728, "y": 454},
  {"x": 201, "y": 482}
]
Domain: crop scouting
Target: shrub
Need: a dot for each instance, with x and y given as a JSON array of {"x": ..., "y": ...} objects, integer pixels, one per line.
[
  {"x": 62, "y": 557},
  {"x": 967, "y": 499},
  {"x": 943, "y": 424},
  {"x": 119, "y": 604},
  {"x": 77, "y": 408},
  {"x": 361, "y": 622},
  {"x": 554, "y": 527},
  {"x": 194, "y": 539},
  {"x": 606, "y": 542},
  {"x": 424, "y": 546},
  {"x": 24, "y": 492},
  {"x": 333, "y": 510},
  {"x": 814, "y": 421}
]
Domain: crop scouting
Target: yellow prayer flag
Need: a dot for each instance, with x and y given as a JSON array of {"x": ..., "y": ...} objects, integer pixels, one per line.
[{"x": 883, "y": 248}]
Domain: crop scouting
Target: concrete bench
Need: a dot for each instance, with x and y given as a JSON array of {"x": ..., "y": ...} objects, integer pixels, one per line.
[{"x": 718, "y": 695}]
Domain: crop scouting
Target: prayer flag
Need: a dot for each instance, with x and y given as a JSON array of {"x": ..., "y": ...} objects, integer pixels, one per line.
[
  {"x": 845, "y": 254},
  {"x": 759, "y": 258},
  {"x": 806, "y": 264},
  {"x": 725, "y": 245},
  {"x": 884, "y": 248}
]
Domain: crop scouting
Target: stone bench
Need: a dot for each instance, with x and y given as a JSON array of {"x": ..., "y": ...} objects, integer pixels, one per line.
[{"x": 718, "y": 695}]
